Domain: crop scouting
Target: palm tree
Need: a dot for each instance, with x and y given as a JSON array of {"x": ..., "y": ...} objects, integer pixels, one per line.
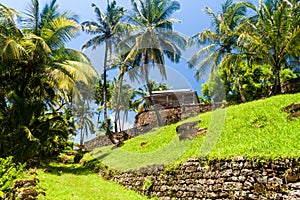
[
  {"x": 105, "y": 29},
  {"x": 272, "y": 36},
  {"x": 32, "y": 66},
  {"x": 220, "y": 42},
  {"x": 120, "y": 102},
  {"x": 84, "y": 121},
  {"x": 116, "y": 102},
  {"x": 66, "y": 66},
  {"x": 139, "y": 103},
  {"x": 152, "y": 37}
]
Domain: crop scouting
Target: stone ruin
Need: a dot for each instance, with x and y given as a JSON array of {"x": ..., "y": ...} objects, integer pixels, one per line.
[{"x": 172, "y": 105}]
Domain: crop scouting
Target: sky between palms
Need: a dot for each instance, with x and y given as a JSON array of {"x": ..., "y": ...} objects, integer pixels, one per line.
[{"x": 193, "y": 20}]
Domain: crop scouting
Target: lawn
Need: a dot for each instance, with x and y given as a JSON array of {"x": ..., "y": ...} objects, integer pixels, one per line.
[
  {"x": 255, "y": 129},
  {"x": 68, "y": 182}
]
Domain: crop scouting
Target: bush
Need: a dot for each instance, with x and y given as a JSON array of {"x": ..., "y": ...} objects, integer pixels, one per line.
[{"x": 9, "y": 172}]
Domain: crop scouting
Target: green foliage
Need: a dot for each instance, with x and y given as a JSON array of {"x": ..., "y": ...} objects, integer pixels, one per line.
[
  {"x": 266, "y": 38},
  {"x": 213, "y": 90},
  {"x": 9, "y": 172},
  {"x": 255, "y": 82},
  {"x": 147, "y": 184},
  {"x": 99, "y": 91},
  {"x": 37, "y": 76}
]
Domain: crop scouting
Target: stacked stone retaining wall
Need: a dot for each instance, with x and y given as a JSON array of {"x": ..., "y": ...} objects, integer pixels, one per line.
[{"x": 239, "y": 178}]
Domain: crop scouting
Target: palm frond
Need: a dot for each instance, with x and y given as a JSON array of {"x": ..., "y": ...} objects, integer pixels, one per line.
[
  {"x": 11, "y": 50},
  {"x": 169, "y": 8},
  {"x": 202, "y": 54},
  {"x": 92, "y": 28},
  {"x": 63, "y": 30},
  {"x": 94, "y": 42},
  {"x": 99, "y": 15}
]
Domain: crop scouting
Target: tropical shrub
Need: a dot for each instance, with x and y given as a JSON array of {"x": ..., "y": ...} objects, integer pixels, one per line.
[{"x": 9, "y": 172}]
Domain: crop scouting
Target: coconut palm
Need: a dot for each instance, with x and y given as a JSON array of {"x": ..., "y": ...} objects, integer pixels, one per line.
[
  {"x": 105, "y": 29},
  {"x": 221, "y": 42},
  {"x": 32, "y": 66},
  {"x": 139, "y": 103},
  {"x": 125, "y": 70},
  {"x": 152, "y": 38},
  {"x": 272, "y": 36},
  {"x": 84, "y": 120},
  {"x": 67, "y": 65}
]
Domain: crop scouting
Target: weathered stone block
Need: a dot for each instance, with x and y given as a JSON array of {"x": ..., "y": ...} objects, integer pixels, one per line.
[{"x": 211, "y": 195}]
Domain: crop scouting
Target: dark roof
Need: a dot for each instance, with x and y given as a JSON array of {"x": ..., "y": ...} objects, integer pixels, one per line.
[{"x": 173, "y": 98}]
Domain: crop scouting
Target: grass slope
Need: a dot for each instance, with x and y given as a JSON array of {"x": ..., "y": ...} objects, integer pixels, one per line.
[
  {"x": 68, "y": 182},
  {"x": 255, "y": 129}
]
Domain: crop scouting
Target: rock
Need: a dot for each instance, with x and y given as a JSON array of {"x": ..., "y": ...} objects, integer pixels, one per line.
[
  {"x": 252, "y": 197},
  {"x": 259, "y": 188},
  {"x": 275, "y": 180},
  {"x": 28, "y": 194},
  {"x": 247, "y": 185},
  {"x": 291, "y": 177},
  {"x": 26, "y": 183},
  {"x": 163, "y": 188},
  {"x": 294, "y": 115},
  {"x": 242, "y": 178},
  {"x": 211, "y": 195},
  {"x": 292, "y": 107},
  {"x": 189, "y": 131}
]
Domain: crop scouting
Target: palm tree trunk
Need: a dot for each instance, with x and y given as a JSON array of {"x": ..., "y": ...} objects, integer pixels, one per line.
[
  {"x": 108, "y": 132},
  {"x": 277, "y": 86},
  {"x": 81, "y": 137},
  {"x": 240, "y": 85},
  {"x": 159, "y": 119},
  {"x": 119, "y": 86}
]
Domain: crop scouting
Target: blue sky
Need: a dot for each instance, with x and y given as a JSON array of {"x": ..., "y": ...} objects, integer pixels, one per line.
[{"x": 193, "y": 20}]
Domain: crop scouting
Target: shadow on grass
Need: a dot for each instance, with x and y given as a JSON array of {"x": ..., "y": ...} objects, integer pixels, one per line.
[
  {"x": 102, "y": 156},
  {"x": 58, "y": 169}
]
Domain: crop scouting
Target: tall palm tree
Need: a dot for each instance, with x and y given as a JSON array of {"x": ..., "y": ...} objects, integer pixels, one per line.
[
  {"x": 220, "y": 42},
  {"x": 152, "y": 38},
  {"x": 124, "y": 69},
  {"x": 105, "y": 29},
  {"x": 272, "y": 36}
]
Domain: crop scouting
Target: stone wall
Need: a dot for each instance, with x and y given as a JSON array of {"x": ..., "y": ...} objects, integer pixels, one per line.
[
  {"x": 239, "y": 178},
  {"x": 145, "y": 121},
  {"x": 170, "y": 115},
  {"x": 287, "y": 87}
]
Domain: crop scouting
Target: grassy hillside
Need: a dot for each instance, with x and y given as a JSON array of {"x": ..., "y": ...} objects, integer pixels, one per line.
[
  {"x": 255, "y": 129},
  {"x": 74, "y": 182}
]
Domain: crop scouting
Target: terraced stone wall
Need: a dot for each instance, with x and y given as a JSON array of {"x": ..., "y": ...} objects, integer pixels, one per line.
[{"x": 239, "y": 178}]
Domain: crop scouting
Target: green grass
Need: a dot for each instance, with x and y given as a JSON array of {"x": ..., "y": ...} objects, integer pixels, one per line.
[
  {"x": 255, "y": 129},
  {"x": 69, "y": 182}
]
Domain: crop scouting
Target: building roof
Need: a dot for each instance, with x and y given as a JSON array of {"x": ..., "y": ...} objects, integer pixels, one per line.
[
  {"x": 172, "y": 91},
  {"x": 169, "y": 98}
]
